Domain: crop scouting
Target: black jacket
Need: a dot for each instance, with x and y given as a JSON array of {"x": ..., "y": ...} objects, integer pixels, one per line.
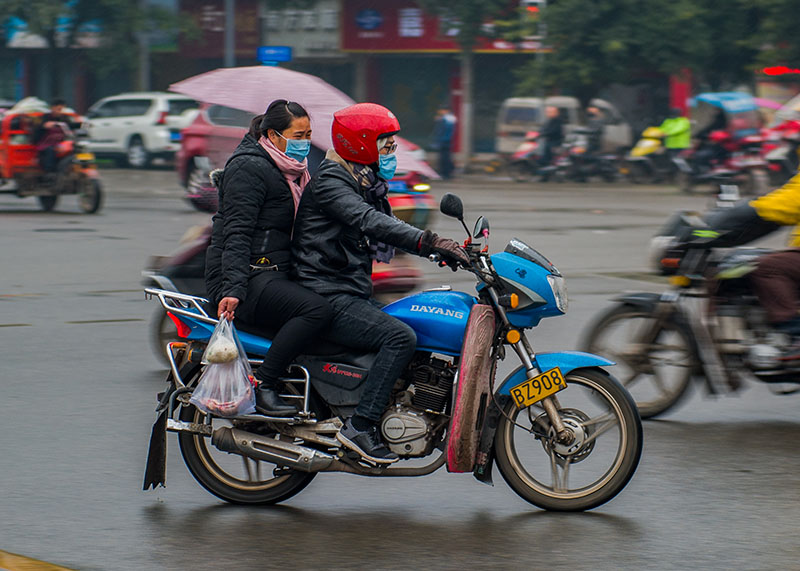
[
  {"x": 553, "y": 131},
  {"x": 330, "y": 247},
  {"x": 253, "y": 224}
]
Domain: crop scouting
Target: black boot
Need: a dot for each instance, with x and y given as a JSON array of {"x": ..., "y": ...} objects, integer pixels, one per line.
[{"x": 269, "y": 402}]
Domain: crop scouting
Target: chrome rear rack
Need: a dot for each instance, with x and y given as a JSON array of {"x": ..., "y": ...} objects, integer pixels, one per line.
[{"x": 181, "y": 304}]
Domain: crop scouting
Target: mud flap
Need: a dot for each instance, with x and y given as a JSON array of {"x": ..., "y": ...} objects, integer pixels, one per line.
[
  {"x": 473, "y": 390},
  {"x": 484, "y": 457},
  {"x": 155, "y": 471}
]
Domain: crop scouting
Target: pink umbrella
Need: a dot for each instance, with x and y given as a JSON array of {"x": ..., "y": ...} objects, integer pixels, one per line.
[
  {"x": 767, "y": 103},
  {"x": 253, "y": 88}
]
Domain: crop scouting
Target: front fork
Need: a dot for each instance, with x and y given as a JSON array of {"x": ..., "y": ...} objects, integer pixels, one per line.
[{"x": 525, "y": 353}]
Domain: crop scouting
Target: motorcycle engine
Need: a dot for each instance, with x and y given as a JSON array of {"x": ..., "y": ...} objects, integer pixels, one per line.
[
  {"x": 410, "y": 427},
  {"x": 407, "y": 432}
]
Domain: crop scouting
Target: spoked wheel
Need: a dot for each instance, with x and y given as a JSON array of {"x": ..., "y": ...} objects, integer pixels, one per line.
[
  {"x": 590, "y": 469},
  {"x": 90, "y": 196},
  {"x": 656, "y": 374},
  {"x": 232, "y": 477},
  {"x": 48, "y": 203}
]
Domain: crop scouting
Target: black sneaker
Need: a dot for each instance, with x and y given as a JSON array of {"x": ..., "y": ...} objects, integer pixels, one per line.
[{"x": 367, "y": 443}]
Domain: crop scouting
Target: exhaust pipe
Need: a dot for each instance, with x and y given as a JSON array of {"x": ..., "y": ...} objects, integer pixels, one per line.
[{"x": 301, "y": 458}]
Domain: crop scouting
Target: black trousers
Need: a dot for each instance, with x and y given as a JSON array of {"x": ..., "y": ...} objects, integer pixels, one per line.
[
  {"x": 47, "y": 159},
  {"x": 360, "y": 323},
  {"x": 292, "y": 315}
]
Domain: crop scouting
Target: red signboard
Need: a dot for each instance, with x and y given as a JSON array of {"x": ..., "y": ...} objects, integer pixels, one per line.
[
  {"x": 209, "y": 19},
  {"x": 402, "y": 26}
]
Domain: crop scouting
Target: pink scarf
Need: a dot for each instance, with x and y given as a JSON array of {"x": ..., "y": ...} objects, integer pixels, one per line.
[{"x": 295, "y": 172}]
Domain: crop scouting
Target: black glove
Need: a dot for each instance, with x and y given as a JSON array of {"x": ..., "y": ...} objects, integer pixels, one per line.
[{"x": 449, "y": 250}]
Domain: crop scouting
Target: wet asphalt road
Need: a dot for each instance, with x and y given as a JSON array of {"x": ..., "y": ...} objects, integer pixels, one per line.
[{"x": 718, "y": 486}]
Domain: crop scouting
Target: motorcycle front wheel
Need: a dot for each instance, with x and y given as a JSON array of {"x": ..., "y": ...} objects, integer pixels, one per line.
[
  {"x": 582, "y": 474},
  {"x": 656, "y": 374},
  {"x": 232, "y": 477}
]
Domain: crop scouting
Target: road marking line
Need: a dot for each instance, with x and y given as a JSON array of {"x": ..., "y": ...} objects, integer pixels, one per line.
[{"x": 12, "y": 562}]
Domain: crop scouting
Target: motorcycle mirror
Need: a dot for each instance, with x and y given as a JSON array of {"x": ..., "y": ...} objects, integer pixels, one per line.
[
  {"x": 481, "y": 228},
  {"x": 452, "y": 206}
]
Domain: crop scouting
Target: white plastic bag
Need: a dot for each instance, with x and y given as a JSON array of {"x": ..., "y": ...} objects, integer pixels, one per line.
[
  {"x": 223, "y": 346},
  {"x": 226, "y": 387}
]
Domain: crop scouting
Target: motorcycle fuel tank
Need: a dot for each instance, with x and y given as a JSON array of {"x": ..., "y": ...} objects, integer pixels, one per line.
[{"x": 438, "y": 317}]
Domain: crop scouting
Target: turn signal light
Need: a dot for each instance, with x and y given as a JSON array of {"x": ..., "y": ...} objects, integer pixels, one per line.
[{"x": 513, "y": 336}]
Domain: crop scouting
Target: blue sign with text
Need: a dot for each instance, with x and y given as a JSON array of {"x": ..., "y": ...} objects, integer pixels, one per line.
[{"x": 274, "y": 53}]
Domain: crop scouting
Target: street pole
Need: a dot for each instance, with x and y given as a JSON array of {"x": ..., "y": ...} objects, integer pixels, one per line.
[
  {"x": 466, "y": 108},
  {"x": 144, "y": 54},
  {"x": 230, "y": 28}
]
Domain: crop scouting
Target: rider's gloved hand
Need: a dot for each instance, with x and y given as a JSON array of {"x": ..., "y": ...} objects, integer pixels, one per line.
[{"x": 450, "y": 251}]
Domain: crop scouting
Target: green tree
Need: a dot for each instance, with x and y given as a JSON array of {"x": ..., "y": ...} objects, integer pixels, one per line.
[{"x": 470, "y": 17}]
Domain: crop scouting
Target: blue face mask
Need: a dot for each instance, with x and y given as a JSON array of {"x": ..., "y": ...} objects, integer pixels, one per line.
[
  {"x": 296, "y": 149},
  {"x": 387, "y": 164}
]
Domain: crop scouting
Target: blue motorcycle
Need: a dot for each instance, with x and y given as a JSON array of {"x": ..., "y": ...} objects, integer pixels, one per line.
[{"x": 565, "y": 435}]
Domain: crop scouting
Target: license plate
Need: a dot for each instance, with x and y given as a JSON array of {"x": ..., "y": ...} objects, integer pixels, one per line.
[
  {"x": 175, "y": 136},
  {"x": 85, "y": 156},
  {"x": 539, "y": 387}
]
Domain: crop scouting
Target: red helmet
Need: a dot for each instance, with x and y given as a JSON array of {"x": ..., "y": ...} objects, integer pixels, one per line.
[{"x": 356, "y": 130}]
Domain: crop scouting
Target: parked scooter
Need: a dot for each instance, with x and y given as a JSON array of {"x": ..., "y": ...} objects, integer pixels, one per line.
[
  {"x": 649, "y": 161},
  {"x": 565, "y": 434},
  {"x": 720, "y": 155}
]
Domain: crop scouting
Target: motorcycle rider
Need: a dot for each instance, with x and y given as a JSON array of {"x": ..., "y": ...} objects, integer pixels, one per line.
[
  {"x": 594, "y": 126},
  {"x": 247, "y": 262},
  {"x": 677, "y": 132},
  {"x": 344, "y": 223},
  {"x": 776, "y": 279},
  {"x": 49, "y": 133},
  {"x": 552, "y": 134}
]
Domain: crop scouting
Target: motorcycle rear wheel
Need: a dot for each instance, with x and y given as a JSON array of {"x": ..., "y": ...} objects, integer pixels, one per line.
[
  {"x": 231, "y": 477},
  {"x": 604, "y": 420},
  {"x": 658, "y": 375}
]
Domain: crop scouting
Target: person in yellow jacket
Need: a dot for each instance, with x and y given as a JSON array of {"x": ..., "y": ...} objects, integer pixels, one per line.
[
  {"x": 776, "y": 279},
  {"x": 677, "y": 131}
]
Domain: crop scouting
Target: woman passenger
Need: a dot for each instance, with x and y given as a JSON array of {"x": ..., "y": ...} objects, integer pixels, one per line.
[{"x": 247, "y": 261}]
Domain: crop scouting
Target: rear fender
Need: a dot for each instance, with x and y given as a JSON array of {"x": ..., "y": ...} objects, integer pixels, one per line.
[{"x": 567, "y": 361}]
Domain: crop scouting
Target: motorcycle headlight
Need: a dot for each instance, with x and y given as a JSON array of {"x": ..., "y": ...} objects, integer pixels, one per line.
[{"x": 559, "y": 288}]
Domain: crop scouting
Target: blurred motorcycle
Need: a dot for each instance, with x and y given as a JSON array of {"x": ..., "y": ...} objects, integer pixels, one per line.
[
  {"x": 722, "y": 155},
  {"x": 649, "y": 161},
  {"x": 708, "y": 326}
]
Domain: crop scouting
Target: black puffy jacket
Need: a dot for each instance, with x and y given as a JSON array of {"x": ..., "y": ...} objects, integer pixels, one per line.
[
  {"x": 330, "y": 246},
  {"x": 253, "y": 224}
]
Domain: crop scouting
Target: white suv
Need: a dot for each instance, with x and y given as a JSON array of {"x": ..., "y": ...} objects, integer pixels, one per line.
[{"x": 138, "y": 127}]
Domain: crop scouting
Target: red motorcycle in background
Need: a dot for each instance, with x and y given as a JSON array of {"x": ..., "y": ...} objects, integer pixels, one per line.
[
  {"x": 781, "y": 150},
  {"x": 76, "y": 172},
  {"x": 719, "y": 156}
]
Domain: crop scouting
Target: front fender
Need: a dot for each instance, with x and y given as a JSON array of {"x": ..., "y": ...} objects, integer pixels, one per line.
[{"x": 565, "y": 360}]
